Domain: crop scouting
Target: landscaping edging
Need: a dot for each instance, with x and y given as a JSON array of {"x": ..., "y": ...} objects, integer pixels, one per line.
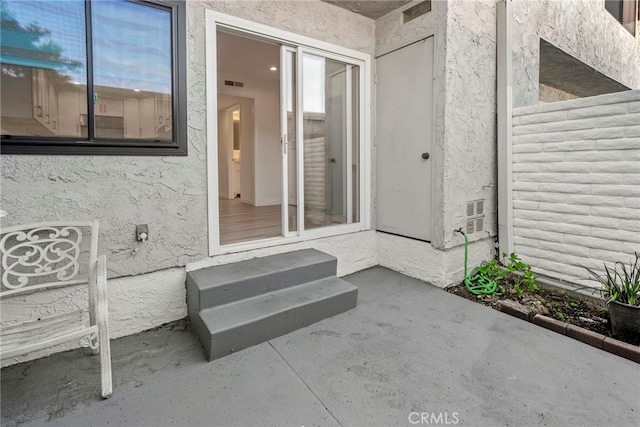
[{"x": 611, "y": 345}]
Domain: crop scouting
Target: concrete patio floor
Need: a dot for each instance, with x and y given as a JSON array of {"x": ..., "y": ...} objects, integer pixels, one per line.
[{"x": 409, "y": 354}]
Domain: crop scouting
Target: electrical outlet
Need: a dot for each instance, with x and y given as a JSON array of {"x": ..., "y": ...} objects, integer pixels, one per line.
[{"x": 142, "y": 232}]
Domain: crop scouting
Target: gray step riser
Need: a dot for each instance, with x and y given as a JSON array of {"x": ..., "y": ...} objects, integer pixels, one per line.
[
  {"x": 260, "y": 330},
  {"x": 254, "y": 286}
]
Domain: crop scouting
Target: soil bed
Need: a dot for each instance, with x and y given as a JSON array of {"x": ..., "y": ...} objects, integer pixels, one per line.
[{"x": 556, "y": 304}]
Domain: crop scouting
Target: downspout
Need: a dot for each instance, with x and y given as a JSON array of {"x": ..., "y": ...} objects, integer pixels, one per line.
[{"x": 504, "y": 108}]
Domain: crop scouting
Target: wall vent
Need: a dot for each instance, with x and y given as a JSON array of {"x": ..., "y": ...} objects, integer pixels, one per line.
[
  {"x": 475, "y": 216},
  {"x": 416, "y": 11}
]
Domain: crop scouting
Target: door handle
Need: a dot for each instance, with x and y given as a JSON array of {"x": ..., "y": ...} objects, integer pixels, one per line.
[{"x": 425, "y": 156}]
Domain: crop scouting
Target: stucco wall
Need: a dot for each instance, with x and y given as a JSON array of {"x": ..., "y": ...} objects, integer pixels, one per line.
[
  {"x": 168, "y": 193},
  {"x": 464, "y": 108},
  {"x": 392, "y": 34},
  {"x": 577, "y": 184},
  {"x": 581, "y": 28},
  {"x": 470, "y": 129}
]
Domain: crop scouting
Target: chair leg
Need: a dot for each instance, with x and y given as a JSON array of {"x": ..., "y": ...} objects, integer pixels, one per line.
[{"x": 105, "y": 362}]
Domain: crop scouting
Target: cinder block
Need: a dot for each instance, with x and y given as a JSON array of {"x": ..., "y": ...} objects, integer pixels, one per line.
[
  {"x": 525, "y": 167},
  {"x": 634, "y": 107},
  {"x": 597, "y": 133},
  {"x": 617, "y": 98},
  {"x": 561, "y": 187},
  {"x": 525, "y": 186},
  {"x": 604, "y": 156},
  {"x": 553, "y": 116},
  {"x": 546, "y": 157},
  {"x": 526, "y": 205},
  {"x": 593, "y": 178},
  {"x": 618, "y": 121},
  {"x": 598, "y": 111},
  {"x": 586, "y": 336},
  {"x": 617, "y": 144},
  {"x": 537, "y": 177},
  {"x": 632, "y": 178},
  {"x": 567, "y": 125},
  {"x": 527, "y": 148},
  {"x": 618, "y": 235},
  {"x": 618, "y": 167},
  {"x": 627, "y": 191},
  {"x": 632, "y": 132},
  {"x": 527, "y": 129},
  {"x": 569, "y": 146},
  {"x": 540, "y": 138},
  {"x": 632, "y": 202},
  {"x": 574, "y": 167}
]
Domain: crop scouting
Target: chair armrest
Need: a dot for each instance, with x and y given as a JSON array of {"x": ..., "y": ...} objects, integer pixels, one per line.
[{"x": 101, "y": 290}]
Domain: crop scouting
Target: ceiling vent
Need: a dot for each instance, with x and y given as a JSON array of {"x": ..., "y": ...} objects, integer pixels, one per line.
[{"x": 232, "y": 83}]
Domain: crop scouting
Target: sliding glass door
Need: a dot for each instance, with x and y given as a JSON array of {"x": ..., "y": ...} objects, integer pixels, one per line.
[
  {"x": 320, "y": 121},
  {"x": 303, "y": 135}
]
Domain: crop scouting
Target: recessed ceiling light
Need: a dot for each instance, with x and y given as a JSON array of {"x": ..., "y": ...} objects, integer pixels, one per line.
[
  {"x": 274, "y": 68},
  {"x": 136, "y": 90},
  {"x": 75, "y": 83}
]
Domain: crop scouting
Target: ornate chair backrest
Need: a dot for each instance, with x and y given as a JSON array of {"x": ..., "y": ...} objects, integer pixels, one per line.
[{"x": 47, "y": 255}]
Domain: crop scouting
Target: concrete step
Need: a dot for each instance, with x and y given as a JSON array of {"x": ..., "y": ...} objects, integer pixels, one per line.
[
  {"x": 224, "y": 284},
  {"x": 227, "y": 328}
]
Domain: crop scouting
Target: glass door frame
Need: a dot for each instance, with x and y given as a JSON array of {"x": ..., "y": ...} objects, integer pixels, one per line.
[{"x": 290, "y": 42}]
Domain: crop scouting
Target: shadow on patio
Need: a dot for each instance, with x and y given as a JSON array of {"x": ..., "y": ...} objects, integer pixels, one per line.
[{"x": 407, "y": 350}]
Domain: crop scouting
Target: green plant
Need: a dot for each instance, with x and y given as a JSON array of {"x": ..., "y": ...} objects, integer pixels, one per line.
[
  {"x": 623, "y": 285},
  {"x": 491, "y": 270},
  {"x": 520, "y": 273}
]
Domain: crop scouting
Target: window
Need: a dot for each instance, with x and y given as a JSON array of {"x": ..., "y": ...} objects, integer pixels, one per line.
[
  {"x": 93, "y": 77},
  {"x": 625, "y": 12}
]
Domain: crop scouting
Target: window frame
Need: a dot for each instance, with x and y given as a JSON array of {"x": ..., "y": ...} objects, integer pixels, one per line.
[{"x": 17, "y": 144}]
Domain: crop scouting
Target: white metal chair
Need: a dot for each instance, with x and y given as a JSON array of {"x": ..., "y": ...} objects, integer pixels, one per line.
[{"x": 42, "y": 256}]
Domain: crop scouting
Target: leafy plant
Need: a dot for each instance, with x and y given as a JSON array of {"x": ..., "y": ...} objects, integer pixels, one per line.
[
  {"x": 491, "y": 270},
  {"x": 621, "y": 285},
  {"x": 520, "y": 273}
]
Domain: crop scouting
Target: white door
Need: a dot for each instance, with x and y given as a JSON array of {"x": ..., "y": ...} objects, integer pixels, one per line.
[{"x": 404, "y": 128}]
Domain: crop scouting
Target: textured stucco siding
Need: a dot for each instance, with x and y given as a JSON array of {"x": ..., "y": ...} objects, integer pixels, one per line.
[
  {"x": 422, "y": 261},
  {"x": 577, "y": 184},
  {"x": 146, "y": 285},
  {"x": 142, "y": 302},
  {"x": 470, "y": 123},
  {"x": 581, "y": 28},
  {"x": 392, "y": 34}
]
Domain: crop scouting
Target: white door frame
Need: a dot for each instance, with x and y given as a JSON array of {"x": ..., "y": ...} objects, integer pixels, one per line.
[{"x": 214, "y": 21}]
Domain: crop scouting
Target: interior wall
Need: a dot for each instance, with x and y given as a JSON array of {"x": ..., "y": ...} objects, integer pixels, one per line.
[
  {"x": 265, "y": 159},
  {"x": 225, "y": 135},
  {"x": 583, "y": 29}
]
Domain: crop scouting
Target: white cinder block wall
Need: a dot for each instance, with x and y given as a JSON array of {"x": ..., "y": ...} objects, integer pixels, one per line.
[{"x": 576, "y": 184}]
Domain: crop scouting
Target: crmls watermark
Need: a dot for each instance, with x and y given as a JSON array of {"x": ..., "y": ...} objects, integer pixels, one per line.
[{"x": 434, "y": 418}]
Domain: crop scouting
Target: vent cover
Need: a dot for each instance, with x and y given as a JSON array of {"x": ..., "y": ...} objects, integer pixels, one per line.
[
  {"x": 232, "y": 83},
  {"x": 475, "y": 216},
  {"x": 416, "y": 11}
]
